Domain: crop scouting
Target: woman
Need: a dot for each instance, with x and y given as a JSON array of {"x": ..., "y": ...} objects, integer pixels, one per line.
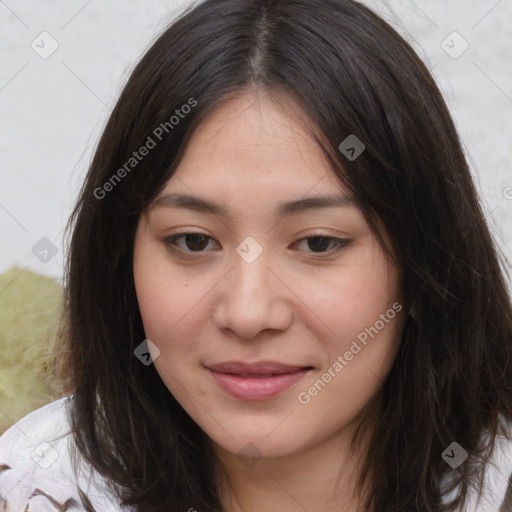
[{"x": 281, "y": 291}]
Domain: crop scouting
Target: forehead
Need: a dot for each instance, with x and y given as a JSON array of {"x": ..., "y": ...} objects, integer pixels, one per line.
[{"x": 253, "y": 141}]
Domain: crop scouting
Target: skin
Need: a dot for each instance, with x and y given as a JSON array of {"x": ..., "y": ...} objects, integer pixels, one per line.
[{"x": 295, "y": 303}]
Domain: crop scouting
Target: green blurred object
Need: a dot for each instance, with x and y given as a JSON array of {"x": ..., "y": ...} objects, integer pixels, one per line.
[{"x": 30, "y": 309}]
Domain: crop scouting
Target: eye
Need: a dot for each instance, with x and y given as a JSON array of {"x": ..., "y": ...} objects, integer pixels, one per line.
[
  {"x": 198, "y": 242},
  {"x": 324, "y": 244},
  {"x": 194, "y": 242}
]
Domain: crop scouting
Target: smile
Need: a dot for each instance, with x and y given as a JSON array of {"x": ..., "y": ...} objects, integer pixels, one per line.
[{"x": 256, "y": 382}]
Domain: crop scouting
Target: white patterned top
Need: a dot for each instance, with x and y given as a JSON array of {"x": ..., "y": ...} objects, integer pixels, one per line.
[
  {"x": 37, "y": 475},
  {"x": 36, "y": 469}
]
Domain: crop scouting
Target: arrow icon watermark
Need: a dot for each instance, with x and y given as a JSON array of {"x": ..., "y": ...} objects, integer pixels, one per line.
[
  {"x": 352, "y": 147},
  {"x": 454, "y": 455},
  {"x": 146, "y": 352}
]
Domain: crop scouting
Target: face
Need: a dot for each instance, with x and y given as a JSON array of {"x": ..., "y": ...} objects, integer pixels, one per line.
[{"x": 276, "y": 315}]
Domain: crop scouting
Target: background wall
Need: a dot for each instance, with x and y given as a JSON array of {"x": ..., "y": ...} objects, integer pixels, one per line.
[{"x": 52, "y": 109}]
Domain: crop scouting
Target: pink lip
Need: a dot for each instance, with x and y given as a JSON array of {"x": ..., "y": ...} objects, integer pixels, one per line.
[{"x": 257, "y": 381}]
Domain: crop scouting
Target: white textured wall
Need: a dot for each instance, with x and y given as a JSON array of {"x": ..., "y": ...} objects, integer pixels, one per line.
[{"x": 52, "y": 110}]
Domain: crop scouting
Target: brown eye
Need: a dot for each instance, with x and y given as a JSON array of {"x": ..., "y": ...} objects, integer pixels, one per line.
[
  {"x": 319, "y": 243},
  {"x": 324, "y": 244},
  {"x": 194, "y": 242}
]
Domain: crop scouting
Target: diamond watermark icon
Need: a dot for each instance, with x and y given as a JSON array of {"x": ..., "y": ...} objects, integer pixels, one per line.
[
  {"x": 249, "y": 250},
  {"x": 44, "y": 45},
  {"x": 44, "y": 250},
  {"x": 352, "y": 147},
  {"x": 249, "y": 454},
  {"x": 44, "y": 455},
  {"x": 455, "y": 455},
  {"x": 147, "y": 352},
  {"x": 454, "y": 45}
]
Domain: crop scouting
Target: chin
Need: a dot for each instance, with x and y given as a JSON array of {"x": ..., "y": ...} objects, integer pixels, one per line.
[{"x": 250, "y": 449}]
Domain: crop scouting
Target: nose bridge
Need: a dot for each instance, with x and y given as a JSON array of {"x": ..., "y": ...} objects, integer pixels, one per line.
[
  {"x": 252, "y": 299},
  {"x": 250, "y": 271}
]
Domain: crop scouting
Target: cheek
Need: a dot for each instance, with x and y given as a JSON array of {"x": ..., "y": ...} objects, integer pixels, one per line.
[
  {"x": 349, "y": 300},
  {"x": 170, "y": 300},
  {"x": 169, "y": 307},
  {"x": 171, "y": 313}
]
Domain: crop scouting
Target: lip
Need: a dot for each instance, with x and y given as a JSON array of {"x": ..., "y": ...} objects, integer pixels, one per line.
[{"x": 256, "y": 381}]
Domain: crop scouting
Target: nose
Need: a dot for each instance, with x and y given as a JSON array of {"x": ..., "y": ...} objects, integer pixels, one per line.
[{"x": 253, "y": 298}]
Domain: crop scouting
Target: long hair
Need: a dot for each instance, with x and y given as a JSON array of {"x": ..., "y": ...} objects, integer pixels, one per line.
[{"x": 350, "y": 73}]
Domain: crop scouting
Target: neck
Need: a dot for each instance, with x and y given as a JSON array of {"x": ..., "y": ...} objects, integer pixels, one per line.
[{"x": 321, "y": 477}]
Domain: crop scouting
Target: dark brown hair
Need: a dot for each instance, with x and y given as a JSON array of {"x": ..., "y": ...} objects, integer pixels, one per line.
[{"x": 350, "y": 73}]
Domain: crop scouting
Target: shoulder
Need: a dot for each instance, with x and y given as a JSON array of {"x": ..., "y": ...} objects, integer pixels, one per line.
[
  {"x": 497, "y": 490},
  {"x": 499, "y": 474},
  {"x": 37, "y": 470}
]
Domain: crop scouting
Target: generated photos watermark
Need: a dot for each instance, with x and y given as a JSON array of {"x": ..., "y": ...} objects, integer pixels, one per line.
[
  {"x": 305, "y": 397},
  {"x": 156, "y": 136}
]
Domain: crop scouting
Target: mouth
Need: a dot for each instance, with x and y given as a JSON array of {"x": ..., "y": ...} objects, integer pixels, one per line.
[{"x": 257, "y": 381}]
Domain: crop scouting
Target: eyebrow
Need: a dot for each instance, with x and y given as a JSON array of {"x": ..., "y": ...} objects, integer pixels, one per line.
[{"x": 284, "y": 209}]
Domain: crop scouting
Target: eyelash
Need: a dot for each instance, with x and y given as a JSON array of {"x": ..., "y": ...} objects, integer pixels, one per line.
[{"x": 340, "y": 243}]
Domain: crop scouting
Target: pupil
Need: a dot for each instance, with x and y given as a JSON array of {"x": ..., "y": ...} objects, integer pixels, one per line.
[
  {"x": 195, "y": 242},
  {"x": 318, "y": 243}
]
